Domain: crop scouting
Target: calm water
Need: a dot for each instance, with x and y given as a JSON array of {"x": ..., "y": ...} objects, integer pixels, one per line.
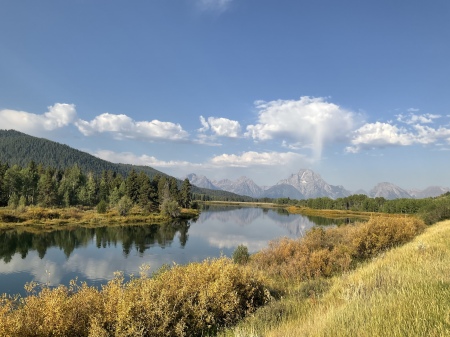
[{"x": 93, "y": 255}]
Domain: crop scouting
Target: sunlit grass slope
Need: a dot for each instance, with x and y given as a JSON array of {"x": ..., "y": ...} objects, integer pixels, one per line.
[{"x": 403, "y": 292}]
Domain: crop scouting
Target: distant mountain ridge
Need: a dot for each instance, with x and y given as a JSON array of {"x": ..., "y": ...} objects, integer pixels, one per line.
[{"x": 306, "y": 184}]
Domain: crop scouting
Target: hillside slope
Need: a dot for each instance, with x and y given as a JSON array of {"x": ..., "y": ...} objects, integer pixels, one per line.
[
  {"x": 20, "y": 148},
  {"x": 17, "y": 148}
]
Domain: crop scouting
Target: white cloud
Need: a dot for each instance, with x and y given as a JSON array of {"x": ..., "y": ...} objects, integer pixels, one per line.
[
  {"x": 428, "y": 135},
  {"x": 412, "y": 118},
  {"x": 379, "y": 135},
  {"x": 246, "y": 159},
  {"x": 131, "y": 158},
  {"x": 307, "y": 122},
  {"x": 122, "y": 126},
  {"x": 223, "y": 127},
  {"x": 213, "y": 5},
  {"x": 253, "y": 158},
  {"x": 57, "y": 116}
]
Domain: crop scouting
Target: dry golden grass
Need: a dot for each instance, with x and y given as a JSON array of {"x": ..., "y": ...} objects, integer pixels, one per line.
[{"x": 402, "y": 292}]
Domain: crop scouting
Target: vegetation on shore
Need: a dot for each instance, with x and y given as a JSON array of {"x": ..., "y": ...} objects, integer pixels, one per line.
[
  {"x": 431, "y": 210},
  {"x": 46, "y": 218}
]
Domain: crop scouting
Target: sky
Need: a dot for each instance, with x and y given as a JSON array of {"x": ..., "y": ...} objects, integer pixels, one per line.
[{"x": 358, "y": 91}]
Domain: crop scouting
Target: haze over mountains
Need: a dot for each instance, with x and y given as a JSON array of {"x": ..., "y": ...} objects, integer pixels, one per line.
[{"x": 307, "y": 184}]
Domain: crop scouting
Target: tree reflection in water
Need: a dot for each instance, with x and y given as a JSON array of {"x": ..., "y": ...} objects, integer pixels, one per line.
[{"x": 138, "y": 237}]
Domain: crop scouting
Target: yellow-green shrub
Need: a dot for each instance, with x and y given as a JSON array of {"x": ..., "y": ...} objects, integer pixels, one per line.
[{"x": 326, "y": 252}]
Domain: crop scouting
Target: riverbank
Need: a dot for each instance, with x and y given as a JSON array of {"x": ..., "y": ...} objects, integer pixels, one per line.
[
  {"x": 57, "y": 217},
  {"x": 291, "y": 281}
]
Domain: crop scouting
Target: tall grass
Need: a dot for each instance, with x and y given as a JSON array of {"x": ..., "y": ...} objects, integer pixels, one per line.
[{"x": 401, "y": 292}]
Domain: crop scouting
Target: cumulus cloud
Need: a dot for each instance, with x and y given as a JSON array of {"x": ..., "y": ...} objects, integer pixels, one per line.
[
  {"x": 223, "y": 127},
  {"x": 122, "y": 126},
  {"x": 307, "y": 122},
  {"x": 57, "y": 116},
  {"x": 378, "y": 134},
  {"x": 253, "y": 158},
  {"x": 213, "y": 5}
]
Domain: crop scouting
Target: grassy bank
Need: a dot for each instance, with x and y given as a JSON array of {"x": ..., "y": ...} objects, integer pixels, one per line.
[
  {"x": 401, "y": 292},
  {"x": 56, "y": 217}
]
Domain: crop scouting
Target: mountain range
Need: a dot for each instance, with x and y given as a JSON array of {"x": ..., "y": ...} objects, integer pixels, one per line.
[{"x": 306, "y": 184}]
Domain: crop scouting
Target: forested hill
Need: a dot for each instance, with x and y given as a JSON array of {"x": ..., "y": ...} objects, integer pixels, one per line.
[
  {"x": 17, "y": 148},
  {"x": 20, "y": 148}
]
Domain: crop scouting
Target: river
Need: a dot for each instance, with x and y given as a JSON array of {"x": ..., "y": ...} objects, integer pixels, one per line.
[{"x": 92, "y": 255}]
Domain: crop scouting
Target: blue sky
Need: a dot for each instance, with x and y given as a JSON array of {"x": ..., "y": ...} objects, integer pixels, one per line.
[{"x": 358, "y": 91}]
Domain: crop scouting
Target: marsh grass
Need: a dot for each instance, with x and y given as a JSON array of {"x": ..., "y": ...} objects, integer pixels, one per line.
[{"x": 56, "y": 217}]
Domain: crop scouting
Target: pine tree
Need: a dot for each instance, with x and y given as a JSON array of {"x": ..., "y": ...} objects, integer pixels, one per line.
[
  {"x": 132, "y": 187},
  {"x": 185, "y": 194}
]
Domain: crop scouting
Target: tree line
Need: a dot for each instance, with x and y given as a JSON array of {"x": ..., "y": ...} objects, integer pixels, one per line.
[
  {"x": 52, "y": 187},
  {"x": 430, "y": 209}
]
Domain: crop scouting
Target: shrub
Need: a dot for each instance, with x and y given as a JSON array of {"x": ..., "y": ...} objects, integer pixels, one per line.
[
  {"x": 170, "y": 208},
  {"x": 102, "y": 207},
  {"x": 124, "y": 205},
  {"x": 241, "y": 255},
  {"x": 323, "y": 253}
]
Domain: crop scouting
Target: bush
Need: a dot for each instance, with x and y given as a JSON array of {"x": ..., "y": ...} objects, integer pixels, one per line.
[
  {"x": 324, "y": 253},
  {"x": 241, "y": 255},
  {"x": 102, "y": 207},
  {"x": 124, "y": 205},
  {"x": 170, "y": 208}
]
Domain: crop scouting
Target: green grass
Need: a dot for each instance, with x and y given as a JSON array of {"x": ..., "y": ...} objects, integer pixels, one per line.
[{"x": 401, "y": 292}]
